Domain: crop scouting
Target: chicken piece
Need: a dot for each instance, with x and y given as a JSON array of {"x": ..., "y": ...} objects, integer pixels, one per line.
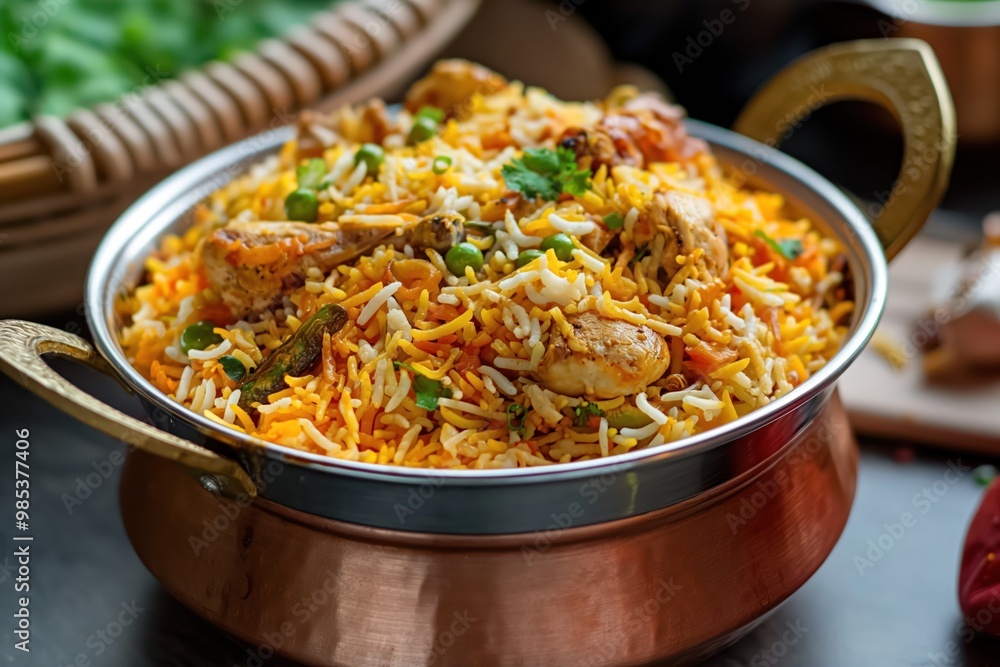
[
  {"x": 684, "y": 223},
  {"x": 450, "y": 85},
  {"x": 252, "y": 264},
  {"x": 592, "y": 148},
  {"x": 440, "y": 231},
  {"x": 645, "y": 128},
  {"x": 603, "y": 358}
]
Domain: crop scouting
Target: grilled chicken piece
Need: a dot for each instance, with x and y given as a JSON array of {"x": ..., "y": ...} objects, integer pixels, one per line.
[
  {"x": 603, "y": 358},
  {"x": 451, "y": 84},
  {"x": 684, "y": 223},
  {"x": 645, "y": 128},
  {"x": 252, "y": 264}
]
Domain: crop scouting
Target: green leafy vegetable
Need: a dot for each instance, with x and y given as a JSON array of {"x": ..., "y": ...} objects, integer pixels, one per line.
[
  {"x": 583, "y": 412},
  {"x": 426, "y": 390},
  {"x": 614, "y": 220},
  {"x": 234, "y": 368},
  {"x": 788, "y": 248},
  {"x": 59, "y": 56},
  {"x": 310, "y": 175},
  {"x": 546, "y": 173},
  {"x": 517, "y": 417}
]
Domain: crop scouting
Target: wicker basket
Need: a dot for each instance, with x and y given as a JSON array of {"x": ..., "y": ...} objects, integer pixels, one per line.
[{"x": 63, "y": 181}]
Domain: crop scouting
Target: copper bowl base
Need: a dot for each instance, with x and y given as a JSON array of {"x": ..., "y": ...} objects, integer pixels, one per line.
[{"x": 666, "y": 587}]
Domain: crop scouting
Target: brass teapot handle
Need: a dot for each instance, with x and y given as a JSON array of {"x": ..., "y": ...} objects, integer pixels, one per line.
[
  {"x": 901, "y": 75},
  {"x": 22, "y": 346}
]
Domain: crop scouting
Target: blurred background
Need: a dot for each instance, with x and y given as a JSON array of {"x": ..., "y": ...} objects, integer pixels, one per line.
[{"x": 101, "y": 99}]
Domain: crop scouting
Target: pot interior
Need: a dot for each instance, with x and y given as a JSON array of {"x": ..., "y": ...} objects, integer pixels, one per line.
[{"x": 118, "y": 267}]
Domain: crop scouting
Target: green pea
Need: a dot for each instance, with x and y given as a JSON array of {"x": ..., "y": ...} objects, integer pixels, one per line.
[
  {"x": 561, "y": 244},
  {"x": 461, "y": 256},
  {"x": 302, "y": 205},
  {"x": 422, "y": 130},
  {"x": 432, "y": 113},
  {"x": 234, "y": 368},
  {"x": 310, "y": 174},
  {"x": 199, "y": 336},
  {"x": 984, "y": 474},
  {"x": 527, "y": 257},
  {"x": 372, "y": 155}
]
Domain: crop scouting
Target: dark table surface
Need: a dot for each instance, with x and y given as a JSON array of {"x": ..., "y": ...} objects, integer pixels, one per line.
[{"x": 897, "y": 610}]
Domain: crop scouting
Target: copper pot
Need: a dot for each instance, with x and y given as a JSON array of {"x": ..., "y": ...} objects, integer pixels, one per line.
[
  {"x": 662, "y": 554},
  {"x": 966, "y": 38}
]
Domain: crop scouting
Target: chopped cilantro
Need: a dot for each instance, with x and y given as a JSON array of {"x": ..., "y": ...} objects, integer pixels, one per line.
[
  {"x": 614, "y": 220},
  {"x": 516, "y": 417},
  {"x": 582, "y": 413},
  {"x": 789, "y": 248},
  {"x": 426, "y": 390},
  {"x": 546, "y": 173}
]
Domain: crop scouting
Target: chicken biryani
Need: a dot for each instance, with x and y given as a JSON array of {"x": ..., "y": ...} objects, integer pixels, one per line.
[{"x": 489, "y": 277}]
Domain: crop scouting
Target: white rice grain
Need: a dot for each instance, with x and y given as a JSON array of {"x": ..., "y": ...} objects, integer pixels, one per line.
[
  {"x": 377, "y": 301},
  {"x": 213, "y": 353},
  {"x": 502, "y": 383}
]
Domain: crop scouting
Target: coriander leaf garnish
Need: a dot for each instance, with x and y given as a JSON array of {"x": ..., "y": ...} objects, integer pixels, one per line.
[
  {"x": 582, "y": 413},
  {"x": 546, "y": 173},
  {"x": 787, "y": 248},
  {"x": 426, "y": 390},
  {"x": 517, "y": 417}
]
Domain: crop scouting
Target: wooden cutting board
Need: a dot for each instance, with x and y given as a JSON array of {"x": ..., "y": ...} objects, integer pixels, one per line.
[{"x": 896, "y": 402}]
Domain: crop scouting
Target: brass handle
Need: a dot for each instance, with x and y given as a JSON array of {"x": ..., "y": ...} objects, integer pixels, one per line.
[
  {"x": 22, "y": 346},
  {"x": 900, "y": 75}
]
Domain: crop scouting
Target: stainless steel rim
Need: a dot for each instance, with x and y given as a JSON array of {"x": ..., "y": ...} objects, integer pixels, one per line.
[{"x": 377, "y": 495}]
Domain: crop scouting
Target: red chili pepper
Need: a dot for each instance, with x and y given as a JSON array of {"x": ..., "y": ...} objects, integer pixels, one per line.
[{"x": 979, "y": 577}]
